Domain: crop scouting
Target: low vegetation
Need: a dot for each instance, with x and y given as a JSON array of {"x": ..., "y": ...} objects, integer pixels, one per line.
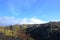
[{"x": 46, "y": 31}]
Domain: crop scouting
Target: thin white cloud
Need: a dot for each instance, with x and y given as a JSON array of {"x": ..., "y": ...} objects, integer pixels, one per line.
[
  {"x": 12, "y": 8},
  {"x": 31, "y": 21},
  {"x": 15, "y": 7},
  {"x": 8, "y": 20},
  {"x": 12, "y": 20}
]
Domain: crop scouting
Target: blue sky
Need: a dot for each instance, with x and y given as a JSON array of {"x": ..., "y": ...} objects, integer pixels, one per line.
[{"x": 46, "y": 10}]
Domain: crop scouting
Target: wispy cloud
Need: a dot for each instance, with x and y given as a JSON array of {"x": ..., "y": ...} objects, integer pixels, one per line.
[
  {"x": 7, "y": 20},
  {"x": 12, "y": 7},
  {"x": 31, "y": 21},
  {"x": 17, "y": 6},
  {"x": 12, "y": 20}
]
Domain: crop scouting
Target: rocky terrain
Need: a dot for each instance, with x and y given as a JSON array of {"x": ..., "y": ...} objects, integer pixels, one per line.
[{"x": 46, "y": 31}]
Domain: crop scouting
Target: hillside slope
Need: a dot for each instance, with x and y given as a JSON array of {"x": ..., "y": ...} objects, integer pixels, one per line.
[{"x": 46, "y": 31}]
